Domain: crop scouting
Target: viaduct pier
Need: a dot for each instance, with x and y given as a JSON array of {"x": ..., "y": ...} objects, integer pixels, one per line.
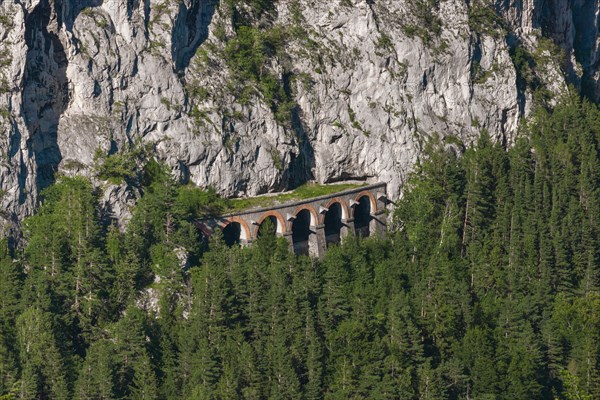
[{"x": 309, "y": 225}]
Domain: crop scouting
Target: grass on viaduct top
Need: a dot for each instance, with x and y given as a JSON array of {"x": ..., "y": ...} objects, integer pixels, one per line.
[{"x": 303, "y": 192}]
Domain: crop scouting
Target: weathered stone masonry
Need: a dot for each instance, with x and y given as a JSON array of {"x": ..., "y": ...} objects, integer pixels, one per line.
[{"x": 309, "y": 225}]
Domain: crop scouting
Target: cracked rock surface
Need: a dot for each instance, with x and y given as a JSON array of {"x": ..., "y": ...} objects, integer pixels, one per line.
[{"x": 365, "y": 84}]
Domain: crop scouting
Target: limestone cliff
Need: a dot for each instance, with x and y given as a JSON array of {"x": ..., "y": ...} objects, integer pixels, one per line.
[{"x": 253, "y": 96}]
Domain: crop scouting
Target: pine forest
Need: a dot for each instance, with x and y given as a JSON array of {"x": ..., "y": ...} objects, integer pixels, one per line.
[{"x": 486, "y": 286}]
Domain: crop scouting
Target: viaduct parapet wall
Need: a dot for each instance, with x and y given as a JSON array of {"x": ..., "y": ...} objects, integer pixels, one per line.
[{"x": 309, "y": 225}]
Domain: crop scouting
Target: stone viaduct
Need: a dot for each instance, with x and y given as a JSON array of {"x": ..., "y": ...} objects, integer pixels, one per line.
[{"x": 309, "y": 225}]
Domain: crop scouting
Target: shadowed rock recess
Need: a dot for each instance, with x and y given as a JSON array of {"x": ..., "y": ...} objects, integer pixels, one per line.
[{"x": 253, "y": 99}]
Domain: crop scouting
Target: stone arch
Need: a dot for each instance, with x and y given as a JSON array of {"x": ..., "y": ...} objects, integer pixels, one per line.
[
  {"x": 314, "y": 217},
  {"x": 281, "y": 228},
  {"x": 230, "y": 227},
  {"x": 372, "y": 200},
  {"x": 333, "y": 223},
  {"x": 343, "y": 204},
  {"x": 362, "y": 213},
  {"x": 304, "y": 237}
]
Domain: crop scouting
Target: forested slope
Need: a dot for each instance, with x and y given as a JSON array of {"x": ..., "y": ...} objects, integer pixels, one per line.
[{"x": 486, "y": 288}]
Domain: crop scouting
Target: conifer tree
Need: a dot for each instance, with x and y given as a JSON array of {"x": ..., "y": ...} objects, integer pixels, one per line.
[
  {"x": 96, "y": 377},
  {"x": 42, "y": 365},
  {"x": 11, "y": 279}
]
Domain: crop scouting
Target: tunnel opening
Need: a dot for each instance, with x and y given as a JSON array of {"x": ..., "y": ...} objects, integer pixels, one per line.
[
  {"x": 232, "y": 234},
  {"x": 362, "y": 217},
  {"x": 268, "y": 227},
  {"x": 301, "y": 233},
  {"x": 333, "y": 224}
]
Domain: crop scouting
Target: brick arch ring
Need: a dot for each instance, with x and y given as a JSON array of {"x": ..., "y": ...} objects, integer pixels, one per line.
[
  {"x": 371, "y": 198},
  {"x": 343, "y": 205},
  {"x": 244, "y": 232},
  {"x": 314, "y": 217},
  {"x": 281, "y": 228}
]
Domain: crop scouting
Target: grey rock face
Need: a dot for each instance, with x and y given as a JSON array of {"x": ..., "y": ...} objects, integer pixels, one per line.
[{"x": 371, "y": 81}]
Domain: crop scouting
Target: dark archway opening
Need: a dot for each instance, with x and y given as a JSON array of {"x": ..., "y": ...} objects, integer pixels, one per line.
[
  {"x": 232, "y": 234},
  {"x": 301, "y": 233},
  {"x": 362, "y": 217},
  {"x": 268, "y": 227},
  {"x": 333, "y": 224}
]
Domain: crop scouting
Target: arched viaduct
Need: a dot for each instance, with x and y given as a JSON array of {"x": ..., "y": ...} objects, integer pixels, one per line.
[{"x": 310, "y": 225}]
